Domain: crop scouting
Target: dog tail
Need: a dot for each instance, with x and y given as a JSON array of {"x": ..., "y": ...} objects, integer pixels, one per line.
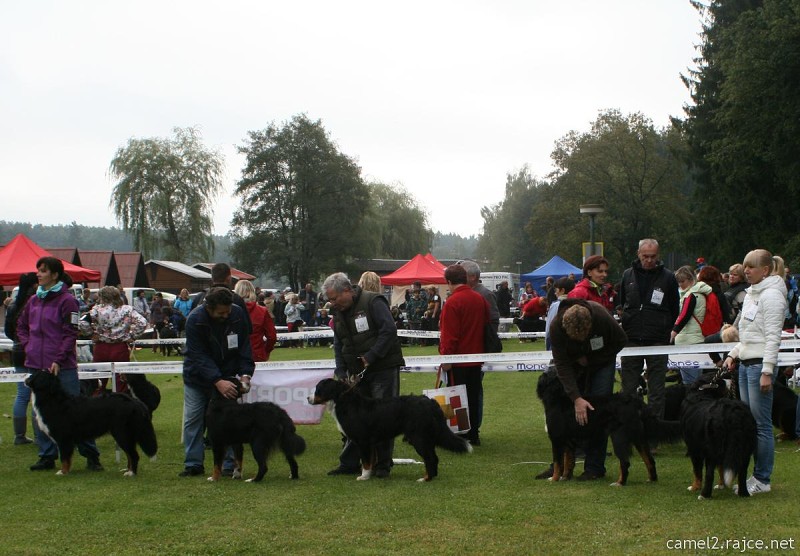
[
  {"x": 145, "y": 433},
  {"x": 740, "y": 445},
  {"x": 659, "y": 430},
  {"x": 298, "y": 443},
  {"x": 450, "y": 441}
]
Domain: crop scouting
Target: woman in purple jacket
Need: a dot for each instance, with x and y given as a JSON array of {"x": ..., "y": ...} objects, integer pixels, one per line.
[{"x": 47, "y": 329}]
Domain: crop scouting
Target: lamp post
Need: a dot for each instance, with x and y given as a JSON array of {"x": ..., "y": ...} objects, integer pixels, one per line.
[
  {"x": 519, "y": 264},
  {"x": 592, "y": 210}
]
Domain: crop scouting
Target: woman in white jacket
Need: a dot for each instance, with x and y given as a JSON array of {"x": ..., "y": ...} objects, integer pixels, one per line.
[{"x": 760, "y": 325}]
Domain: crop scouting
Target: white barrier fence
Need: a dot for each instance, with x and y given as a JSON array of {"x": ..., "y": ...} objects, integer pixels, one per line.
[{"x": 689, "y": 356}]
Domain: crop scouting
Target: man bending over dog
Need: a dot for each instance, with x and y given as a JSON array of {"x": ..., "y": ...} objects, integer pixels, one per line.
[
  {"x": 367, "y": 349},
  {"x": 217, "y": 347},
  {"x": 586, "y": 340}
]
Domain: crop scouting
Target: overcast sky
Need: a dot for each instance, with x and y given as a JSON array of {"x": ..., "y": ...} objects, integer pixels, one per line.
[{"x": 443, "y": 97}]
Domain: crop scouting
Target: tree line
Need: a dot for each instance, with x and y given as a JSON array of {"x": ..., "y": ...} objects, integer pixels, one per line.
[{"x": 715, "y": 182}]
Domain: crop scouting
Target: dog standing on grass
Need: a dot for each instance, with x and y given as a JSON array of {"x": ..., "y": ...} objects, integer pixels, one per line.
[
  {"x": 720, "y": 433},
  {"x": 71, "y": 419},
  {"x": 369, "y": 421},
  {"x": 626, "y": 419},
  {"x": 263, "y": 425}
]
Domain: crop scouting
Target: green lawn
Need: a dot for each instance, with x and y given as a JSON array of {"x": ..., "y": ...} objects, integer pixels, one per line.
[{"x": 483, "y": 503}]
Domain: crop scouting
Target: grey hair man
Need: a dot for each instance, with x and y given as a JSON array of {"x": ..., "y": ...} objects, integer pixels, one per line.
[
  {"x": 649, "y": 299},
  {"x": 474, "y": 282},
  {"x": 365, "y": 345}
]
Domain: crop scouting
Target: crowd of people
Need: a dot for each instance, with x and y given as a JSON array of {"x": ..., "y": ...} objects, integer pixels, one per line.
[{"x": 587, "y": 323}]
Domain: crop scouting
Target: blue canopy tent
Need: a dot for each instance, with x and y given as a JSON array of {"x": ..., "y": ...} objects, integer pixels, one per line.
[{"x": 555, "y": 267}]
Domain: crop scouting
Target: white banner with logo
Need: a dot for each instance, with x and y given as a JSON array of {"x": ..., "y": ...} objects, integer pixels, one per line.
[{"x": 290, "y": 390}]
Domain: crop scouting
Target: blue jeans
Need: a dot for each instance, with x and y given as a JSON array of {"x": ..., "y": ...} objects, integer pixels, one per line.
[
  {"x": 690, "y": 375},
  {"x": 49, "y": 449},
  {"x": 195, "y": 402},
  {"x": 601, "y": 383},
  {"x": 761, "y": 407},
  {"x": 797, "y": 419},
  {"x": 23, "y": 396}
]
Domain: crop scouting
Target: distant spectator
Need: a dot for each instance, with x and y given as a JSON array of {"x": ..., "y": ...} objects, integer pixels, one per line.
[
  {"x": 26, "y": 288},
  {"x": 593, "y": 286},
  {"x": 370, "y": 282},
  {"x": 562, "y": 287},
  {"x": 183, "y": 303},
  {"x": 263, "y": 337},
  {"x": 141, "y": 305},
  {"x": 504, "y": 299}
]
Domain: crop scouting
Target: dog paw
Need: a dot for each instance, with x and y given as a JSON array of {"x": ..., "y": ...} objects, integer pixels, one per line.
[
  {"x": 211, "y": 480},
  {"x": 422, "y": 480},
  {"x": 60, "y": 472},
  {"x": 719, "y": 487},
  {"x": 253, "y": 480},
  {"x": 616, "y": 484},
  {"x": 128, "y": 473},
  {"x": 363, "y": 478},
  {"x": 701, "y": 497},
  {"x": 691, "y": 488},
  {"x": 236, "y": 475}
]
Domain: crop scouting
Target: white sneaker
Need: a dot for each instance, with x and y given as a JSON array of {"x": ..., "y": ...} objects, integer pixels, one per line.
[{"x": 757, "y": 487}]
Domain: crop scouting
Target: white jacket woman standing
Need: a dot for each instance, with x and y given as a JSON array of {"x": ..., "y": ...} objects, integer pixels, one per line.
[{"x": 760, "y": 327}]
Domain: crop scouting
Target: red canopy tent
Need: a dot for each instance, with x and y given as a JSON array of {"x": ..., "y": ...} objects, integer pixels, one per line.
[
  {"x": 435, "y": 261},
  {"x": 20, "y": 256},
  {"x": 419, "y": 269}
]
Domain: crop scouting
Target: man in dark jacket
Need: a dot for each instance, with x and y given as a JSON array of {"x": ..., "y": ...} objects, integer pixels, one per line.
[
  {"x": 217, "y": 347},
  {"x": 221, "y": 277},
  {"x": 586, "y": 340},
  {"x": 504, "y": 300},
  {"x": 366, "y": 348},
  {"x": 650, "y": 305}
]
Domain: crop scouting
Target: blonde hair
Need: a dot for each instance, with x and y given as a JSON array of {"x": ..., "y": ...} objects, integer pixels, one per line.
[
  {"x": 370, "y": 282},
  {"x": 737, "y": 270},
  {"x": 245, "y": 289},
  {"x": 685, "y": 273},
  {"x": 763, "y": 258}
]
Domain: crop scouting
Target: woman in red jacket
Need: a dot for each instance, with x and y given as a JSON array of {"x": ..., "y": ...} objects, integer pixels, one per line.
[
  {"x": 264, "y": 336},
  {"x": 593, "y": 287}
]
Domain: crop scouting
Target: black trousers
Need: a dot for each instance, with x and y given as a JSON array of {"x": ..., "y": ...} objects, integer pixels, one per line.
[
  {"x": 381, "y": 384},
  {"x": 472, "y": 378}
]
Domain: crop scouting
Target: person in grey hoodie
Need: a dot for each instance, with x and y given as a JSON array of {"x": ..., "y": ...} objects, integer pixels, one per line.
[{"x": 760, "y": 325}]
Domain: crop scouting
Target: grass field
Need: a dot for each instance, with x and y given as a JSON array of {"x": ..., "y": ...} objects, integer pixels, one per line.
[{"x": 483, "y": 503}]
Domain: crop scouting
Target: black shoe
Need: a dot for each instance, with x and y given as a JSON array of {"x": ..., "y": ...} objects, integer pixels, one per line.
[
  {"x": 344, "y": 471},
  {"x": 93, "y": 464},
  {"x": 381, "y": 473},
  {"x": 589, "y": 476},
  {"x": 475, "y": 440},
  {"x": 192, "y": 472},
  {"x": 546, "y": 474},
  {"x": 43, "y": 464}
]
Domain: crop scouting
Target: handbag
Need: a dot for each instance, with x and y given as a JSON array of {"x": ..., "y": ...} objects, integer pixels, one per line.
[
  {"x": 491, "y": 340},
  {"x": 454, "y": 404}
]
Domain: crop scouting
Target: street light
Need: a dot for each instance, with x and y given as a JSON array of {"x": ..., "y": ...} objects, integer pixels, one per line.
[
  {"x": 519, "y": 264},
  {"x": 592, "y": 210}
]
